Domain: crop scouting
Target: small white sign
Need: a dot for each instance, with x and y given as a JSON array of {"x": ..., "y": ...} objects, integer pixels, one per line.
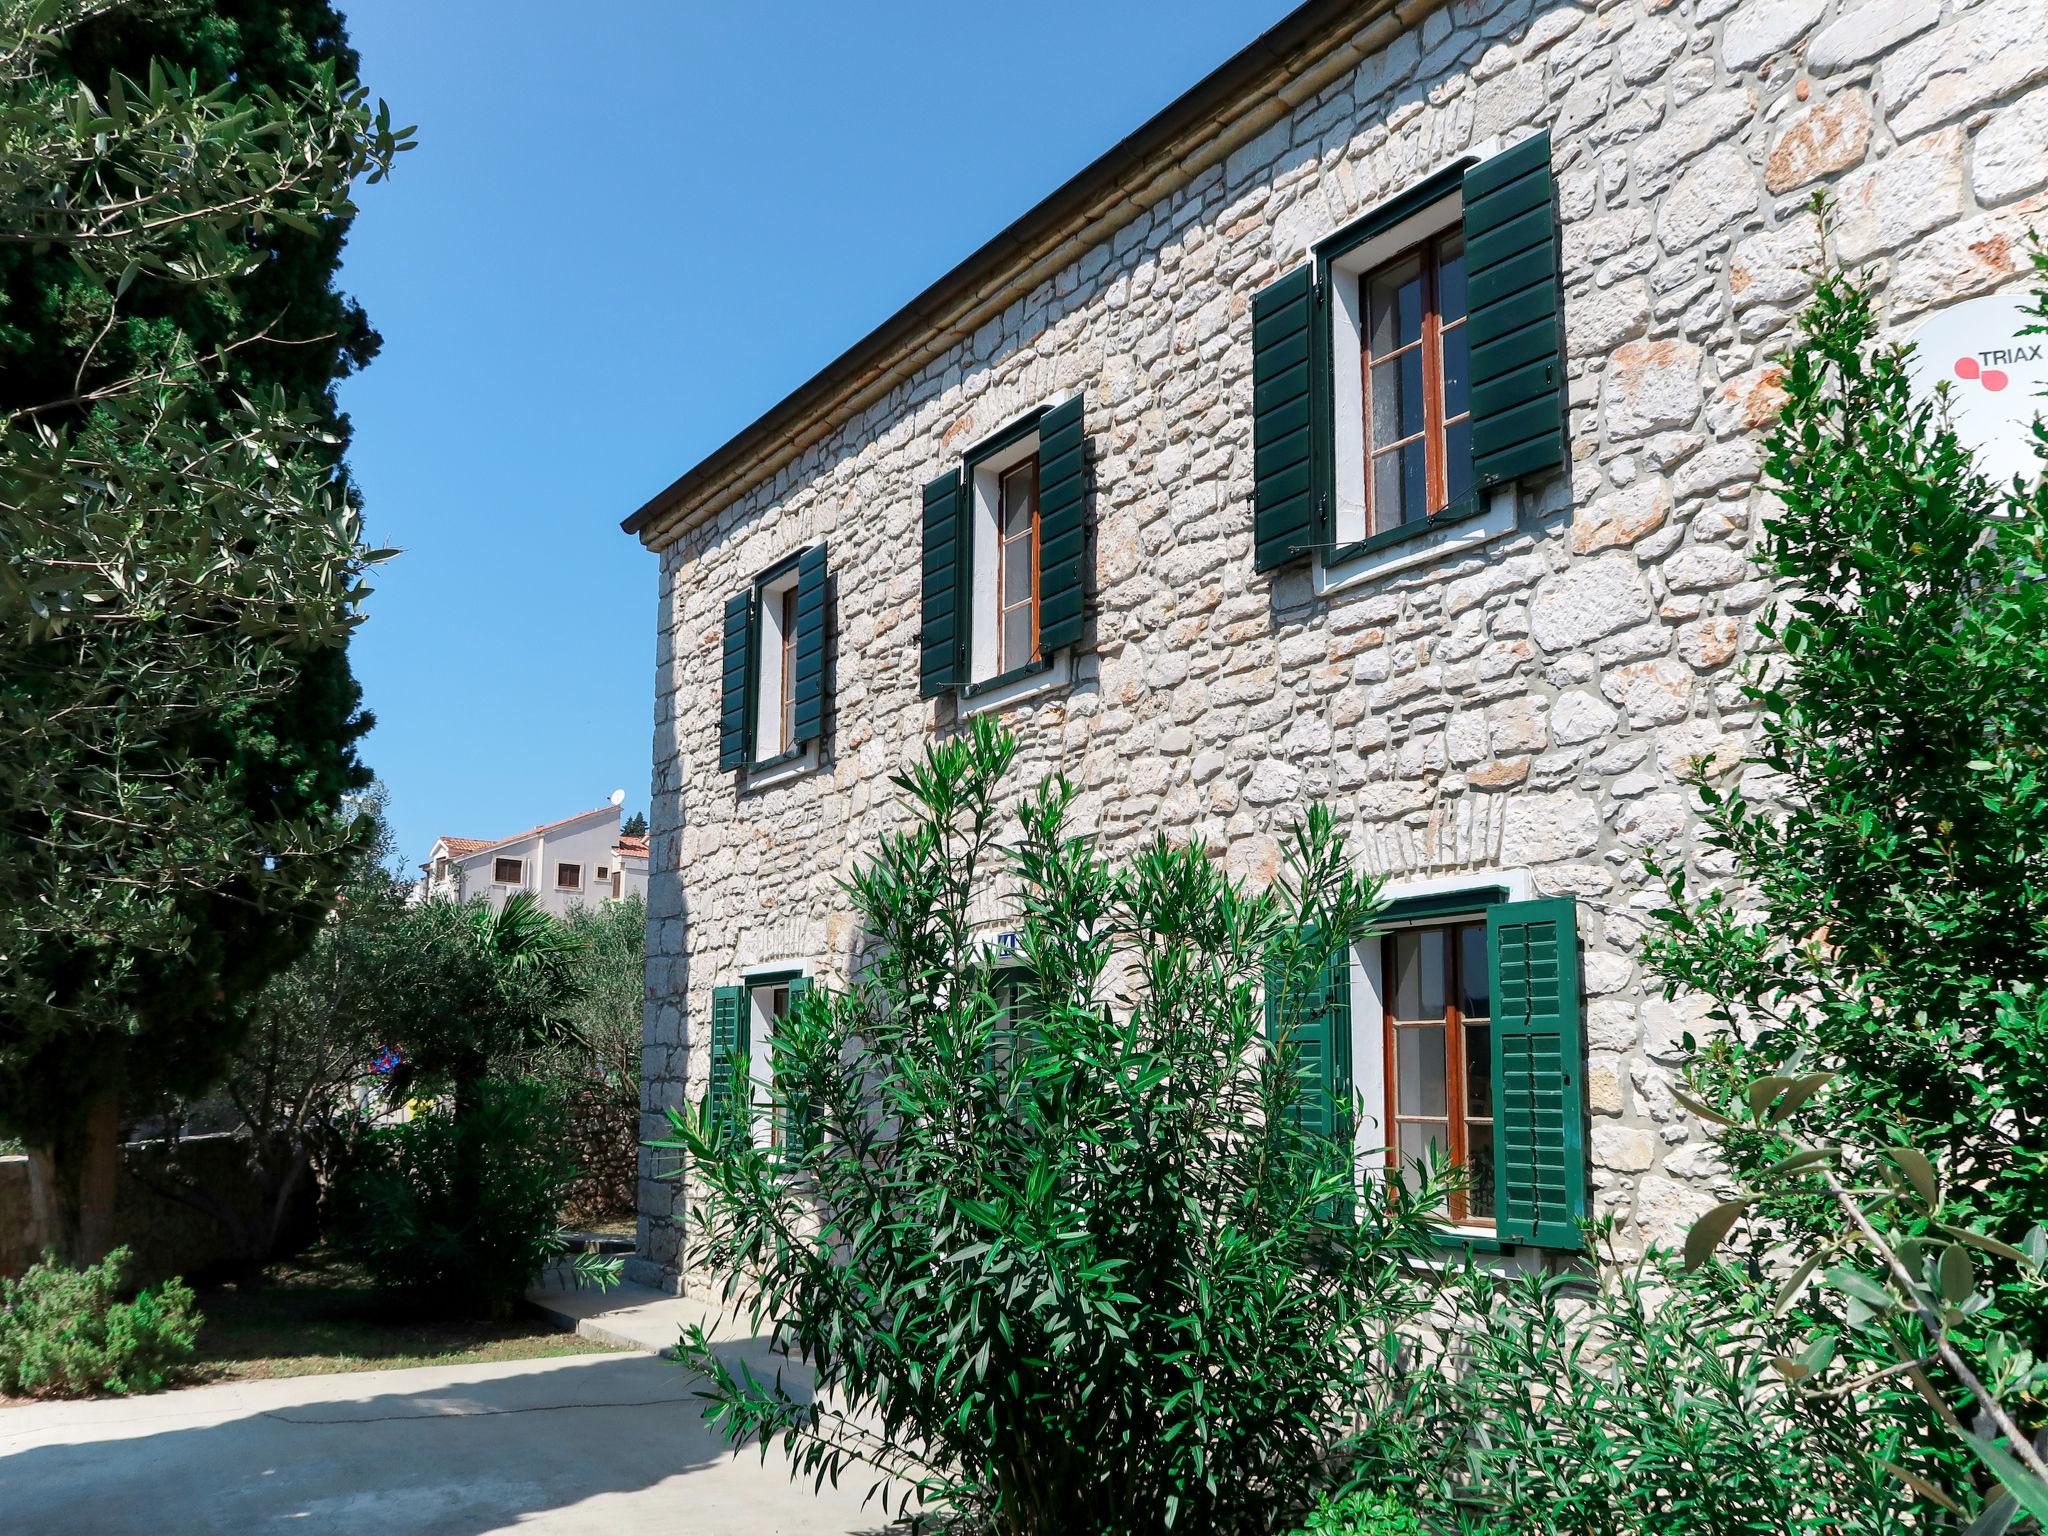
[{"x": 1995, "y": 375}]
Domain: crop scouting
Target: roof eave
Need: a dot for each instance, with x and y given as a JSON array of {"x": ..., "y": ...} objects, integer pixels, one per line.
[{"x": 1235, "y": 102}]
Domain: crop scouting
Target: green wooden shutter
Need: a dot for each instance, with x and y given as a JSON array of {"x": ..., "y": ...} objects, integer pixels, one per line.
[
  {"x": 1515, "y": 329},
  {"x": 1538, "y": 1072},
  {"x": 942, "y": 639},
  {"x": 810, "y": 644},
  {"x": 1289, "y": 496},
  {"x": 728, "y": 1043},
  {"x": 1062, "y": 533},
  {"x": 733, "y": 711},
  {"x": 1321, "y": 1030}
]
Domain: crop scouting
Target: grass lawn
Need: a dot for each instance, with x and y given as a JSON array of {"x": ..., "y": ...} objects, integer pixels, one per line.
[{"x": 320, "y": 1314}]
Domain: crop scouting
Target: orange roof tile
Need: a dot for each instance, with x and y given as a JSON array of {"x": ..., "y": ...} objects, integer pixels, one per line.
[{"x": 463, "y": 847}]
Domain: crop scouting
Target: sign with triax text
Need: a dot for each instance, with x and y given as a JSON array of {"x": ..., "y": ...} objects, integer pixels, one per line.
[{"x": 1995, "y": 375}]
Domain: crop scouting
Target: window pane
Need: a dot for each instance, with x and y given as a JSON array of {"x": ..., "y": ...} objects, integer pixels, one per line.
[
  {"x": 1397, "y": 398},
  {"x": 1450, "y": 282},
  {"x": 1436, "y": 961},
  {"x": 1414, "y": 460},
  {"x": 1407, "y": 975},
  {"x": 1458, "y": 460},
  {"x": 1420, "y": 1071},
  {"x": 1479, "y": 1158},
  {"x": 1016, "y": 508},
  {"x": 1017, "y": 637},
  {"x": 1400, "y": 486},
  {"x": 1017, "y": 569},
  {"x": 1415, "y": 1144},
  {"x": 1394, "y": 305},
  {"x": 1473, "y": 980},
  {"x": 1479, "y": 1070},
  {"x": 1457, "y": 375}
]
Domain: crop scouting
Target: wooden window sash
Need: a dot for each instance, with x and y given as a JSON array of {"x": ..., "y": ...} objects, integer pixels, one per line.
[
  {"x": 1435, "y": 433},
  {"x": 1005, "y": 601},
  {"x": 1455, "y": 1122},
  {"x": 785, "y": 736}
]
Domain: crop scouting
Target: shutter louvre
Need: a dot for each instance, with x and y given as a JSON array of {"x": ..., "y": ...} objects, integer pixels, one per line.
[
  {"x": 810, "y": 644},
  {"x": 1321, "y": 1031},
  {"x": 1062, "y": 528},
  {"x": 1287, "y": 458},
  {"x": 1514, "y": 324},
  {"x": 942, "y": 635},
  {"x": 728, "y": 1044},
  {"x": 732, "y": 709},
  {"x": 1538, "y": 1072}
]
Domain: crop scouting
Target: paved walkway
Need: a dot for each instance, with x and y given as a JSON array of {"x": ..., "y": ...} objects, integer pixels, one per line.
[{"x": 607, "y": 1443}]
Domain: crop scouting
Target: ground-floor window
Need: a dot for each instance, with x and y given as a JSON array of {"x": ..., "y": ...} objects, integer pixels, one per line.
[{"x": 1437, "y": 1035}]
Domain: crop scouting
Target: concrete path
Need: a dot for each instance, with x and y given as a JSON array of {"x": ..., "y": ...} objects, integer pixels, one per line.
[
  {"x": 589, "y": 1443},
  {"x": 628, "y": 1316}
]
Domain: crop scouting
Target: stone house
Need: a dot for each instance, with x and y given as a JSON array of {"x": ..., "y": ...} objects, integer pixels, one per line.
[{"x": 1375, "y": 425}]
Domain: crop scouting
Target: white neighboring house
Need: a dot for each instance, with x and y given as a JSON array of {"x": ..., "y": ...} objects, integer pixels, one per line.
[{"x": 580, "y": 861}]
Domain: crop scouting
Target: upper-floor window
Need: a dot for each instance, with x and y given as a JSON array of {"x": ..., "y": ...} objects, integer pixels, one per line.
[
  {"x": 1004, "y": 561},
  {"x": 1416, "y": 385},
  {"x": 772, "y": 706},
  {"x": 568, "y": 877},
  {"x": 1408, "y": 373},
  {"x": 508, "y": 871}
]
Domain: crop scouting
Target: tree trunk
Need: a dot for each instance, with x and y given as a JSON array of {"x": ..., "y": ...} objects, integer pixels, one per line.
[{"x": 73, "y": 1182}]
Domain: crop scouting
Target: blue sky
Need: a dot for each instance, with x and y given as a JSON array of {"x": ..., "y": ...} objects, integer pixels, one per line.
[{"x": 629, "y": 228}]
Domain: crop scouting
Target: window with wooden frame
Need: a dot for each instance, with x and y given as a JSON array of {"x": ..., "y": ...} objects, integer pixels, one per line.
[
  {"x": 786, "y": 674},
  {"x": 1410, "y": 377},
  {"x": 770, "y": 1007},
  {"x": 772, "y": 685},
  {"x": 1417, "y": 385},
  {"x": 1004, "y": 562},
  {"x": 568, "y": 877},
  {"x": 507, "y": 871},
  {"x": 1017, "y": 566},
  {"x": 1437, "y": 1018},
  {"x": 603, "y": 874}
]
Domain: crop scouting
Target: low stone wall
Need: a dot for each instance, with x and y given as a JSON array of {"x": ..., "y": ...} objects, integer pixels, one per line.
[{"x": 167, "y": 1236}]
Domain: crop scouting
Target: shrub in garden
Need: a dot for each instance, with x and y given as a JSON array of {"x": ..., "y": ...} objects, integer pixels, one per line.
[
  {"x": 1362, "y": 1513},
  {"x": 1878, "y": 960},
  {"x": 1641, "y": 1399},
  {"x": 1068, "y": 1246},
  {"x": 67, "y": 1332},
  {"x": 459, "y": 1214}
]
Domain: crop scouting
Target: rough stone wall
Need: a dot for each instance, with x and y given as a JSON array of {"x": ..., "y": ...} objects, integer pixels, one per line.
[{"x": 1526, "y": 706}]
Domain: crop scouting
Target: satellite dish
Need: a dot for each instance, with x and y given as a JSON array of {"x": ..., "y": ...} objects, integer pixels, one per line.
[{"x": 618, "y": 797}]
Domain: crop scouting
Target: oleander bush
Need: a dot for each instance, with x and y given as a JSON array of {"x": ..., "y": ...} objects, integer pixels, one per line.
[
  {"x": 1064, "y": 1238},
  {"x": 69, "y": 1333}
]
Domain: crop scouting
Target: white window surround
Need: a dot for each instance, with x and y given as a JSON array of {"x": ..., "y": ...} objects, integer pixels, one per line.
[
  {"x": 1347, "y": 330},
  {"x": 1368, "y": 1004},
  {"x": 983, "y": 641}
]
